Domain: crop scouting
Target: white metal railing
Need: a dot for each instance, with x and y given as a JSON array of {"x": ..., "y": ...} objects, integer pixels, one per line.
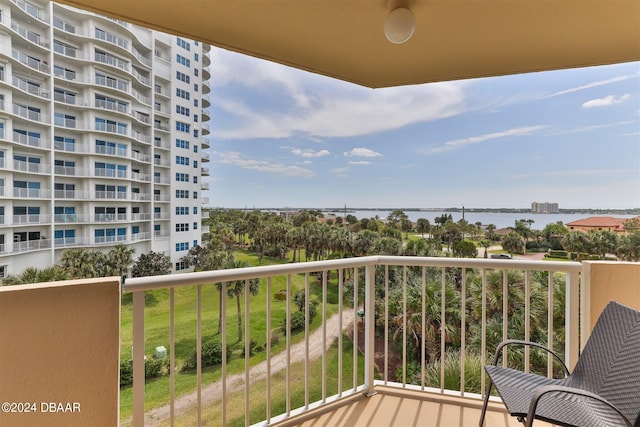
[
  {"x": 416, "y": 282},
  {"x": 110, "y": 217},
  {"x": 111, "y": 60},
  {"x": 29, "y": 87},
  {"x": 66, "y": 242},
  {"x": 23, "y": 166},
  {"x": 29, "y": 61},
  {"x": 31, "y": 219},
  {"x": 31, "y": 245},
  {"x": 35, "y": 193},
  {"x": 70, "y": 217}
]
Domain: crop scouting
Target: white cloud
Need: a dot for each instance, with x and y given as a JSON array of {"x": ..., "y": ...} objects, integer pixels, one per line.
[
  {"x": 591, "y": 85},
  {"x": 266, "y": 100},
  {"x": 240, "y": 160},
  {"x": 310, "y": 153},
  {"x": 456, "y": 144},
  {"x": 359, "y": 162},
  {"x": 362, "y": 152},
  {"x": 606, "y": 101}
]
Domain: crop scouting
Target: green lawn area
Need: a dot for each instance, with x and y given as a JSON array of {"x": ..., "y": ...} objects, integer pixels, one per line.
[
  {"x": 157, "y": 328},
  {"x": 212, "y": 412}
]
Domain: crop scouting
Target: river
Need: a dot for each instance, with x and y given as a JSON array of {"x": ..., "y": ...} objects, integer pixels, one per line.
[{"x": 499, "y": 219}]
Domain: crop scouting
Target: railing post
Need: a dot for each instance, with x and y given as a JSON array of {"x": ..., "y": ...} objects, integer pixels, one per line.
[
  {"x": 369, "y": 329},
  {"x": 572, "y": 319},
  {"x": 138, "y": 359}
]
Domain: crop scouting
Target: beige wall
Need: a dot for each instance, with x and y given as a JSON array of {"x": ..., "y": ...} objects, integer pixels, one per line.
[
  {"x": 611, "y": 281},
  {"x": 60, "y": 343}
]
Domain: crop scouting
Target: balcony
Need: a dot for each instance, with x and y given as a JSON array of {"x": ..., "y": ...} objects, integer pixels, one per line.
[{"x": 360, "y": 392}]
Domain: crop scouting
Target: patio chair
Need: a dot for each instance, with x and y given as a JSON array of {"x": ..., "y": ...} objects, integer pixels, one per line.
[{"x": 603, "y": 390}]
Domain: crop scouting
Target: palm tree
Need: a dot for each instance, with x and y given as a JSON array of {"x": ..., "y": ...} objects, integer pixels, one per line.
[
  {"x": 576, "y": 242},
  {"x": 485, "y": 244},
  {"x": 120, "y": 259},
  {"x": 513, "y": 242},
  {"x": 34, "y": 275},
  {"x": 629, "y": 247},
  {"x": 237, "y": 288},
  {"x": 603, "y": 242},
  {"x": 490, "y": 229},
  {"x": 78, "y": 263},
  {"x": 423, "y": 226}
]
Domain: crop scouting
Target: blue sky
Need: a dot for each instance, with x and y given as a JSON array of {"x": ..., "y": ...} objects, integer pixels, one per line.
[{"x": 282, "y": 137}]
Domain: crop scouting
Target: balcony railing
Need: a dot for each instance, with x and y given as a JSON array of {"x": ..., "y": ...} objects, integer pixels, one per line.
[{"x": 426, "y": 296}]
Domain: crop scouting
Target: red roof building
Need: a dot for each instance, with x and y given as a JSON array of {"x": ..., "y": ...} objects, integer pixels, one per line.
[{"x": 597, "y": 223}]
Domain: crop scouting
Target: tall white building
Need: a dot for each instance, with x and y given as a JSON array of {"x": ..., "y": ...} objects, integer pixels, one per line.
[
  {"x": 545, "y": 207},
  {"x": 102, "y": 136}
]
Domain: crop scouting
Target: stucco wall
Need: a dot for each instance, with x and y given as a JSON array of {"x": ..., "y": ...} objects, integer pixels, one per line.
[
  {"x": 611, "y": 281},
  {"x": 59, "y": 350}
]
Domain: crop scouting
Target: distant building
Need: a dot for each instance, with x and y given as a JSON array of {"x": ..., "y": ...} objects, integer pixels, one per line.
[
  {"x": 599, "y": 223},
  {"x": 545, "y": 207}
]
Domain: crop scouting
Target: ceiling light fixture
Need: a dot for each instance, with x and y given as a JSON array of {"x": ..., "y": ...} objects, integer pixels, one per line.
[{"x": 399, "y": 25}]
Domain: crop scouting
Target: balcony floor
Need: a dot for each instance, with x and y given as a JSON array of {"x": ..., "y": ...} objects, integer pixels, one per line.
[{"x": 394, "y": 407}]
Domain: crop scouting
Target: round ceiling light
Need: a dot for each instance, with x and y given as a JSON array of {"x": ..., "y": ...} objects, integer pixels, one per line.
[{"x": 399, "y": 25}]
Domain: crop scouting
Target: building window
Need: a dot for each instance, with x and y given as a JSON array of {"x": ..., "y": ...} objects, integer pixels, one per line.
[
  {"x": 183, "y": 246},
  {"x": 183, "y": 77},
  {"x": 182, "y": 60},
  {"x": 182, "y": 227},
  {"x": 181, "y": 160},
  {"x": 183, "y": 127},
  {"x": 181, "y": 93},
  {"x": 195, "y": 225},
  {"x": 181, "y": 266},
  {"x": 182, "y": 143},
  {"x": 183, "y": 44},
  {"x": 185, "y": 111}
]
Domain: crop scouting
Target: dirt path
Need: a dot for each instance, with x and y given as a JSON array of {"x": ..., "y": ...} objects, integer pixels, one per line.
[{"x": 258, "y": 372}]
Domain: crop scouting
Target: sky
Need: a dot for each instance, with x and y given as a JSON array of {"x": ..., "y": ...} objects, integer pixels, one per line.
[{"x": 282, "y": 137}]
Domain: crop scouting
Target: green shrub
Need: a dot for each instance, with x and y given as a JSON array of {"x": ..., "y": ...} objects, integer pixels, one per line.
[
  {"x": 558, "y": 254},
  {"x": 298, "y": 317},
  {"x": 153, "y": 368},
  {"x": 252, "y": 349},
  {"x": 126, "y": 372},
  {"x": 211, "y": 355},
  {"x": 472, "y": 371}
]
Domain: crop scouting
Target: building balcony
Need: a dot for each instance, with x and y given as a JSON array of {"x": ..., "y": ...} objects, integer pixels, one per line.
[{"x": 360, "y": 392}]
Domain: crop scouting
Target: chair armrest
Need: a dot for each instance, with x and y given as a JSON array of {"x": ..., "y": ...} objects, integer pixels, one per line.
[
  {"x": 505, "y": 343},
  {"x": 541, "y": 391}
]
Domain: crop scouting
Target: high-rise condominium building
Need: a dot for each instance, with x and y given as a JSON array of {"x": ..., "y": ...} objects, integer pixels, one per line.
[
  {"x": 102, "y": 136},
  {"x": 545, "y": 207}
]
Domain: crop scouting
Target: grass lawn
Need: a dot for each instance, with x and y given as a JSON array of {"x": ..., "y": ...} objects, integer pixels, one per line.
[
  {"x": 157, "y": 328},
  {"x": 212, "y": 412}
]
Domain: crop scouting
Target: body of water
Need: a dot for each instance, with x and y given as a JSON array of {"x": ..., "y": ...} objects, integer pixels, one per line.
[{"x": 500, "y": 220}]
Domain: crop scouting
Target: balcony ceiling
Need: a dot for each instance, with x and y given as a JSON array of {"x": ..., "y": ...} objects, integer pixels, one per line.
[{"x": 454, "y": 39}]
